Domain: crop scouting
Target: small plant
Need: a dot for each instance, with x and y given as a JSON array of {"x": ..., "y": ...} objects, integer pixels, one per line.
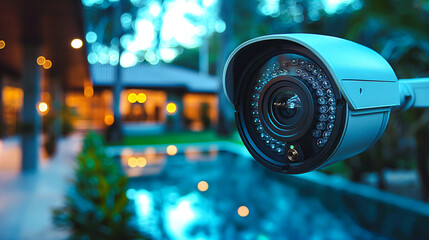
[{"x": 96, "y": 206}]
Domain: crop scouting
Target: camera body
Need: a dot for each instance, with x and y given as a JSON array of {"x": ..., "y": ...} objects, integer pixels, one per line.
[{"x": 304, "y": 101}]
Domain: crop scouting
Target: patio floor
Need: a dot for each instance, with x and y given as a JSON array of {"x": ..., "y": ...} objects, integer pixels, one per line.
[{"x": 27, "y": 199}]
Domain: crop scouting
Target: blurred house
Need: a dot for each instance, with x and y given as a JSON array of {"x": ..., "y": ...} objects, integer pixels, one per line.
[
  {"x": 148, "y": 90},
  {"x": 68, "y": 81}
]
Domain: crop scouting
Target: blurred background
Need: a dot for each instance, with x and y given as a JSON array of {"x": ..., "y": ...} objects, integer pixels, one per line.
[{"x": 113, "y": 124}]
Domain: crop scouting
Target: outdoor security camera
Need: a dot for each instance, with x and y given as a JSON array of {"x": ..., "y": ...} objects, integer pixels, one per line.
[{"x": 304, "y": 101}]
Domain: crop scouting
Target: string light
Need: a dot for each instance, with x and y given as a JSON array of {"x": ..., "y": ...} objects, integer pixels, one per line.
[
  {"x": 41, "y": 60},
  {"x": 47, "y": 64}
]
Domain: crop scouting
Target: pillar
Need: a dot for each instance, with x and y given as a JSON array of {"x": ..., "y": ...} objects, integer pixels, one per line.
[
  {"x": 175, "y": 121},
  {"x": 31, "y": 121}
]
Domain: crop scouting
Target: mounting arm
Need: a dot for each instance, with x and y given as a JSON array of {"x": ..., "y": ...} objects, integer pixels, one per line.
[{"x": 414, "y": 93}]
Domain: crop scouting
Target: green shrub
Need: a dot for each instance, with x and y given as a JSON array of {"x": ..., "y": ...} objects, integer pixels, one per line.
[{"x": 96, "y": 206}]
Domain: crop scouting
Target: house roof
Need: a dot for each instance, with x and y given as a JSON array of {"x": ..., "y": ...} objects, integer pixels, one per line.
[{"x": 154, "y": 76}]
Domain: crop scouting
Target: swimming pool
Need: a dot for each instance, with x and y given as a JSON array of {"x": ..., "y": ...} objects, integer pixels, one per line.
[{"x": 209, "y": 193}]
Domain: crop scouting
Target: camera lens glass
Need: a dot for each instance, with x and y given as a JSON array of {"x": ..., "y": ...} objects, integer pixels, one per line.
[
  {"x": 290, "y": 103},
  {"x": 286, "y": 107}
]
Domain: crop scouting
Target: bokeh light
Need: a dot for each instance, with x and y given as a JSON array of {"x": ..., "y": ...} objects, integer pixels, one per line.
[
  {"x": 2, "y": 44},
  {"x": 41, "y": 60},
  {"x": 47, "y": 64},
  {"x": 141, "y": 162},
  {"x": 132, "y": 162},
  {"x": 76, "y": 43},
  {"x": 141, "y": 97},
  {"x": 171, "y": 150},
  {"x": 203, "y": 186},
  {"x": 132, "y": 97},
  {"x": 171, "y": 108},
  {"x": 88, "y": 91},
  {"x": 43, "y": 108},
  {"x": 91, "y": 37},
  {"x": 243, "y": 211},
  {"x": 108, "y": 119}
]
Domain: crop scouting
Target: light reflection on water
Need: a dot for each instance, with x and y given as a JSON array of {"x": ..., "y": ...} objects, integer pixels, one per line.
[{"x": 169, "y": 205}]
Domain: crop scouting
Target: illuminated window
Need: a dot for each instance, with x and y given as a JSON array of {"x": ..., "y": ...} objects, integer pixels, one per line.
[
  {"x": 142, "y": 105},
  {"x": 12, "y": 98},
  {"x": 200, "y": 110}
]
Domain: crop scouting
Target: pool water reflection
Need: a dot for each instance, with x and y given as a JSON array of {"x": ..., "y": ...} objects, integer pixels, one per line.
[{"x": 221, "y": 195}]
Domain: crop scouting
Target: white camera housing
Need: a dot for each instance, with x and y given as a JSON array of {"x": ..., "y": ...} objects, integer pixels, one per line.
[{"x": 366, "y": 91}]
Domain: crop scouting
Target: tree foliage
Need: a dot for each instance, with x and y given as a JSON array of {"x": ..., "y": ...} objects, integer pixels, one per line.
[{"x": 96, "y": 206}]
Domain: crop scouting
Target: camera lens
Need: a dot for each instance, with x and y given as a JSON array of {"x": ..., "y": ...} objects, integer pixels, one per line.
[{"x": 286, "y": 107}]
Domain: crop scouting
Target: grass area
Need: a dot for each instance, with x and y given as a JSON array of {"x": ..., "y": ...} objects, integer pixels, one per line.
[{"x": 179, "y": 137}]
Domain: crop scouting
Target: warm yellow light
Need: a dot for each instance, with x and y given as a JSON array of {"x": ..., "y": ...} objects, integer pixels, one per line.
[
  {"x": 43, "y": 107},
  {"x": 141, "y": 97},
  {"x": 76, "y": 43},
  {"x": 132, "y": 162},
  {"x": 203, "y": 186},
  {"x": 171, "y": 150},
  {"x": 41, "y": 60},
  {"x": 12, "y": 97},
  {"x": 132, "y": 97},
  {"x": 2, "y": 44},
  {"x": 171, "y": 108},
  {"x": 141, "y": 162},
  {"x": 243, "y": 211},
  {"x": 47, "y": 64},
  {"x": 108, "y": 119},
  {"x": 88, "y": 91}
]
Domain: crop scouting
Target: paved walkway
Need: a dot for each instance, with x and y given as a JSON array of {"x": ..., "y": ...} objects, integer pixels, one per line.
[{"x": 26, "y": 200}]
